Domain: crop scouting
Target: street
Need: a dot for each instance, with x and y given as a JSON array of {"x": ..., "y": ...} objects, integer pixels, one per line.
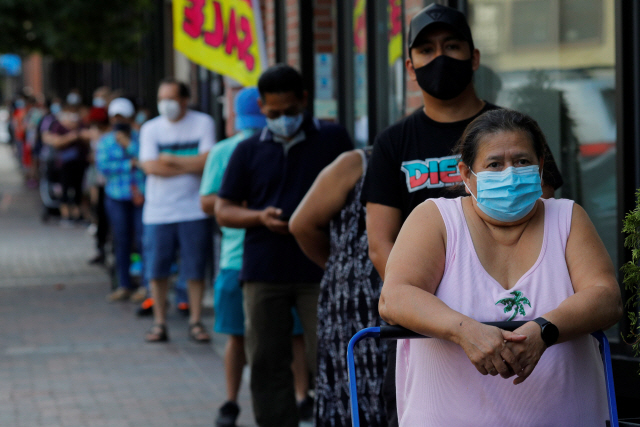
[{"x": 69, "y": 358}]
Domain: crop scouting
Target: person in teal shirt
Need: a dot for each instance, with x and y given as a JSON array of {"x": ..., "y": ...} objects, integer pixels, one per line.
[{"x": 227, "y": 295}]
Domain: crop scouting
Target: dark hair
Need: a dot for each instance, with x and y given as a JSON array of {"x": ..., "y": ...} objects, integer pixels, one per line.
[
  {"x": 496, "y": 121},
  {"x": 281, "y": 78},
  {"x": 183, "y": 89}
]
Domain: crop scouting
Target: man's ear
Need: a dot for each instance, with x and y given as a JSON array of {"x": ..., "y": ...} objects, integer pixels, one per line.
[
  {"x": 410, "y": 70},
  {"x": 262, "y": 106},
  {"x": 305, "y": 98},
  {"x": 475, "y": 60}
]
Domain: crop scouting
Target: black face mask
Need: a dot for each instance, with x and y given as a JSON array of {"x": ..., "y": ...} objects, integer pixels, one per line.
[{"x": 445, "y": 77}]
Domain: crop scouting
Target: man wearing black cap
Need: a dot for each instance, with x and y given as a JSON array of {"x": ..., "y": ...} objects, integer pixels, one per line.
[{"x": 412, "y": 160}]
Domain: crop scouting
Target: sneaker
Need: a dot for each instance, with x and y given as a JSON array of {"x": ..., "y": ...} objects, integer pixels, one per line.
[
  {"x": 97, "y": 260},
  {"x": 305, "y": 409},
  {"x": 146, "y": 308},
  {"x": 120, "y": 294},
  {"x": 139, "y": 295},
  {"x": 228, "y": 414}
]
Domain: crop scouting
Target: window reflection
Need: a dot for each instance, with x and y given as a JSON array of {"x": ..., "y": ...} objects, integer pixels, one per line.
[
  {"x": 361, "y": 126},
  {"x": 554, "y": 60}
]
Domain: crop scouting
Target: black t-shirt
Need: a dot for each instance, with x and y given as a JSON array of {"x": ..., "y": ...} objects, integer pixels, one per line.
[{"x": 413, "y": 161}]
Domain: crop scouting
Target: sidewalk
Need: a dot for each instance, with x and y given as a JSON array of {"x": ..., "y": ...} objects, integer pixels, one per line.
[{"x": 68, "y": 358}]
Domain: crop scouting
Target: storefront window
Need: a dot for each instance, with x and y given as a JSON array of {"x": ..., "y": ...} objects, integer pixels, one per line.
[
  {"x": 396, "y": 61},
  {"x": 555, "y": 60},
  {"x": 361, "y": 124}
]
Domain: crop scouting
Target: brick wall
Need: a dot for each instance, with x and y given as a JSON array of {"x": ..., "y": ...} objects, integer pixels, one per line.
[
  {"x": 324, "y": 30},
  {"x": 269, "y": 26},
  {"x": 413, "y": 94},
  {"x": 293, "y": 35},
  {"x": 32, "y": 74}
]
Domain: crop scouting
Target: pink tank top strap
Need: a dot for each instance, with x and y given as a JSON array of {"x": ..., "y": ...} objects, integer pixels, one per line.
[
  {"x": 455, "y": 223},
  {"x": 558, "y": 214}
]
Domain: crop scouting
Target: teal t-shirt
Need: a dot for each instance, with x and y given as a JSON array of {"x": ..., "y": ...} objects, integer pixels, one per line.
[{"x": 231, "y": 245}]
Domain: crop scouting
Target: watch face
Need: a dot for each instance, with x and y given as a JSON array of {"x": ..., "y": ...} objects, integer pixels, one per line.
[{"x": 550, "y": 334}]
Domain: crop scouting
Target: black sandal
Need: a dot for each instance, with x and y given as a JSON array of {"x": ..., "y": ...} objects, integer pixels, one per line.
[
  {"x": 198, "y": 333},
  {"x": 157, "y": 333}
]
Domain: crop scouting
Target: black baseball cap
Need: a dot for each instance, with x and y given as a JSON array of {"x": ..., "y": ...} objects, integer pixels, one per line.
[{"x": 439, "y": 14}]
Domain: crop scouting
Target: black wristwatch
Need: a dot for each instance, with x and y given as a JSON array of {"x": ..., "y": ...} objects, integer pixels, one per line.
[{"x": 549, "y": 331}]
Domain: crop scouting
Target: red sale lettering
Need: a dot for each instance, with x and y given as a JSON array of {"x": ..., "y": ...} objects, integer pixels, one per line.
[
  {"x": 216, "y": 37},
  {"x": 243, "y": 47},
  {"x": 232, "y": 34},
  {"x": 395, "y": 17},
  {"x": 193, "y": 18},
  {"x": 228, "y": 32}
]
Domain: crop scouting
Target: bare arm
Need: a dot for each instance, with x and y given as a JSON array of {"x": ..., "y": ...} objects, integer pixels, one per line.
[
  {"x": 597, "y": 303},
  {"x": 383, "y": 226},
  {"x": 185, "y": 164},
  {"x": 230, "y": 213},
  {"x": 159, "y": 168},
  {"x": 208, "y": 204},
  {"x": 323, "y": 201},
  {"x": 59, "y": 141}
]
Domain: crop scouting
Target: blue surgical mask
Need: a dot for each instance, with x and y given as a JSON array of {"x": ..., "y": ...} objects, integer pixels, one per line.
[
  {"x": 285, "y": 126},
  {"x": 508, "y": 195},
  {"x": 55, "y": 108}
]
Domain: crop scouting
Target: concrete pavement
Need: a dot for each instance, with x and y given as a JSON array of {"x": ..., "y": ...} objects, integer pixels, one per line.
[{"x": 68, "y": 358}]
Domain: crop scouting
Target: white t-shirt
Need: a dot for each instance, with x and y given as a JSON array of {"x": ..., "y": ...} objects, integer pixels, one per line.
[{"x": 176, "y": 198}]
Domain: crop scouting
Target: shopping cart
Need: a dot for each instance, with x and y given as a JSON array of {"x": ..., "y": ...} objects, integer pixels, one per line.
[{"x": 398, "y": 332}]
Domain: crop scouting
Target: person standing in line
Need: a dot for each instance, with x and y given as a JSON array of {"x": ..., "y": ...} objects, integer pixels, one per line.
[
  {"x": 330, "y": 227},
  {"x": 70, "y": 142},
  {"x": 117, "y": 160},
  {"x": 173, "y": 151},
  {"x": 267, "y": 176},
  {"x": 229, "y": 317},
  {"x": 413, "y": 159}
]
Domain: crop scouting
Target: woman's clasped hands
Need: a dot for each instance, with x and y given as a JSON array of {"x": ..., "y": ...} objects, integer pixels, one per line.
[{"x": 494, "y": 351}]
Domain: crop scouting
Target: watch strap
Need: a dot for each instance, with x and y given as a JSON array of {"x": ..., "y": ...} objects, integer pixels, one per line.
[{"x": 549, "y": 335}]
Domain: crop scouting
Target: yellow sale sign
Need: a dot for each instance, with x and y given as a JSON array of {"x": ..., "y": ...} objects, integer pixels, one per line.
[{"x": 224, "y": 36}]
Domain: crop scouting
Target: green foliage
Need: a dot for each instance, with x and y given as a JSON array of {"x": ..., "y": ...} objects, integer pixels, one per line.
[
  {"x": 77, "y": 30},
  {"x": 631, "y": 271}
]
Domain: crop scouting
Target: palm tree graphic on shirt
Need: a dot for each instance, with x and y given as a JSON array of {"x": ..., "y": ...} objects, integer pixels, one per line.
[{"x": 516, "y": 304}]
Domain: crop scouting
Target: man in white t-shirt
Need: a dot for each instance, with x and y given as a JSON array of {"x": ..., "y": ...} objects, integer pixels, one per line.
[{"x": 173, "y": 151}]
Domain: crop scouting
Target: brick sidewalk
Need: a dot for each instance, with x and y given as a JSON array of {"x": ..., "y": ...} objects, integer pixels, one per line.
[{"x": 68, "y": 358}]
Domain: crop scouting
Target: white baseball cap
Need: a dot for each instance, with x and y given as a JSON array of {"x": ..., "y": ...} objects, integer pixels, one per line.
[{"x": 121, "y": 106}]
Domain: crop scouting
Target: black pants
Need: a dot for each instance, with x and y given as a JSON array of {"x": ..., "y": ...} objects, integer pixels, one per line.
[
  {"x": 103, "y": 222},
  {"x": 71, "y": 176}
]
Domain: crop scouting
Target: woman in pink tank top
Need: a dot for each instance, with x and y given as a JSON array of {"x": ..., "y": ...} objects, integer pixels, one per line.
[{"x": 502, "y": 254}]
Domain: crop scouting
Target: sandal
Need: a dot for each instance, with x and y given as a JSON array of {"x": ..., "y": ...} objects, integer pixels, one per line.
[
  {"x": 198, "y": 333},
  {"x": 157, "y": 333}
]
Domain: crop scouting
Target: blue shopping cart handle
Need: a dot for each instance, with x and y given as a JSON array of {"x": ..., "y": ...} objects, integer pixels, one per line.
[{"x": 398, "y": 332}]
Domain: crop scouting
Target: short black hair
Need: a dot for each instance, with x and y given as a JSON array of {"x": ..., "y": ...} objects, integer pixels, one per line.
[
  {"x": 496, "y": 121},
  {"x": 183, "y": 89},
  {"x": 281, "y": 78}
]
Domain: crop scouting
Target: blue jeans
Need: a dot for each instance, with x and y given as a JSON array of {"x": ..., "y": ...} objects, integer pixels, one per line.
[{"x": 126, "y": 228}]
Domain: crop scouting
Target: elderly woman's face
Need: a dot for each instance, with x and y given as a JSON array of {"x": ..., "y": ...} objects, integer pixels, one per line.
[{"x": 501, "y": 150}]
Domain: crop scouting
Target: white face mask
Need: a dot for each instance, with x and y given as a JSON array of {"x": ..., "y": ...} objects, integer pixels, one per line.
[
  {"x": 73, "y": 99},
  {"x": 99, "y": 102},
  {"x": 169, "y": 108}
]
